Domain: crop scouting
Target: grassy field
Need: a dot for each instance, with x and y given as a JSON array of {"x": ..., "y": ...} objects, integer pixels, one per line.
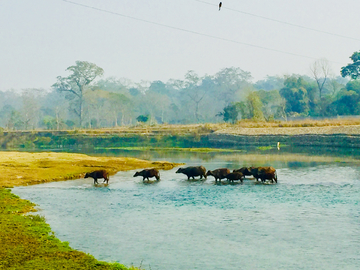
[
  {"x": 243, "y": 127},
  {"x": 24, "y": 168},
  {"x": 206, "y": 128},
  {"x": 26, "y": 240},
  {"x": 211, "y": 127}
]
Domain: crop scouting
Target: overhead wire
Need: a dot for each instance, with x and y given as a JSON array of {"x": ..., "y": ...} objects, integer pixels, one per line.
[
  {"x": 188, "y": 31},
  {"x": 279, "y": 21}
]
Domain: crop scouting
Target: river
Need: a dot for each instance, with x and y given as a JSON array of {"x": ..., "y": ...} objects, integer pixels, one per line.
[{"x": 309, "y": 220}]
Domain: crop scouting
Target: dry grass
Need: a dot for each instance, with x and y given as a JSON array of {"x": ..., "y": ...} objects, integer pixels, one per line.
[
  {"x": 300, "y": 123},
  {"x": 23, "y": 168},
  {"x": 266, "y": 158},
  {"x": 200, "y": 129},
  {"x": 211, "y": 127},
  {"x": 349, "y": 126}
]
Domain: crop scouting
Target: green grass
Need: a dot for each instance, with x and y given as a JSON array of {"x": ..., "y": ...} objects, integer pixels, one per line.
[
  {"x": 27, "y": 242},
  {"x": 263, "y": 148}
]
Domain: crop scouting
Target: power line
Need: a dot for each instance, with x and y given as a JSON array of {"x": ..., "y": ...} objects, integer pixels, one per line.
[
  {"x": 282, "y": 22},
  {"x": 189, "y": 31}
]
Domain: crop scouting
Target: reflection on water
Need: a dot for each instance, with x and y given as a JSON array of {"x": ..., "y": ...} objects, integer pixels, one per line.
[{"x": 309, "y": 220}]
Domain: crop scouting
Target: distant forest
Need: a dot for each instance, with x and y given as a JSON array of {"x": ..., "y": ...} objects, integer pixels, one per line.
[{"x": 84, "y": 99}]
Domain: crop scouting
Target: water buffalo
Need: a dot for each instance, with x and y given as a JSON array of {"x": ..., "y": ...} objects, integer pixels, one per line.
[
  {"x": 264, "y": 173},
  {"x": 148, "y": 173},
  {"x": 244, "y": 170},
  {"x": 218, "y": 173},
  {"x": 235, "y": 176},
  {"x": 193, "y": 171},
  {"x": 98, "y": 174}
]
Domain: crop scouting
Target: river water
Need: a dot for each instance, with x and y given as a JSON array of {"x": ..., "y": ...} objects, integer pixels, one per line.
[{"x": 309, "y": 220}]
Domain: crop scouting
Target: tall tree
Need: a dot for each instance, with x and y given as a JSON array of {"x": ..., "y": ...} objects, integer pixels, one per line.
[
  {"x": 295, "y": 94},
  {"x": 82, "y": 74},
  {"x": 232, "y": 82},
  {"x": 31, "y": 108},
  {"x": 321, "y": 70},
  {"x": 352, "y": 70},
  {"x": 194, "y": 91},
  {"x": 271, "y": 101},
  {"x": 119, "y": 104},
  {"x": 255, "y": 106}
]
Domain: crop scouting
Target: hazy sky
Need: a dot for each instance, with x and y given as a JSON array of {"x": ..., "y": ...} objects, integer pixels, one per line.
[{"x": 163, "y": 39}]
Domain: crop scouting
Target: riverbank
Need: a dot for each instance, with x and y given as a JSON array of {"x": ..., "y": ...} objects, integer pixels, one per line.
[
  {"x": 24, "y": 168},
  {"x": 26, "y": 241},
  {"x": 335, "y": 133}
]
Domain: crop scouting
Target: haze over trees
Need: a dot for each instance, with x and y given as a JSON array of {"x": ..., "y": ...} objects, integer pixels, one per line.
[
  {"x": 82, "y": 74},
  {"x": 85, "y": 99}
]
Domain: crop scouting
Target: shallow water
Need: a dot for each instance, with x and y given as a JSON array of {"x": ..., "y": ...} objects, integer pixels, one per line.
[{"x": 309, "y": 220}]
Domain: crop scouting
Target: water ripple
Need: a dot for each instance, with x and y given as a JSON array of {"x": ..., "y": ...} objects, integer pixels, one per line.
[{"x": 309, "y": 220}]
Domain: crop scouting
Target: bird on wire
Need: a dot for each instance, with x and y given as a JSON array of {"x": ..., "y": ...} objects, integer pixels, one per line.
[{"x": 220, "y": 4}]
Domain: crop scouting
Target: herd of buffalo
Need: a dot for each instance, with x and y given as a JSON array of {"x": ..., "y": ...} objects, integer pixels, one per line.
[{"x": 262, "y": 173}]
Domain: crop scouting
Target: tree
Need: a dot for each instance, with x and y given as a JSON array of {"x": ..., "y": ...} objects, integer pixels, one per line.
[
  {"x": 230, "y": 113},
  {"x": 231, "y": 83},
  {"x": 15, "y": 121},
  {"x": 157, "y": 105},
  {"x": 82, "y": 74},
  {"x": 352, "y": 70},
  {"x": 347, "y": 104},
  {"x": 50, "y": 122},
  {"x": 119, "y": 103},
  {"x": 142, "y": 118},
  {"x": 320, "y": 70},
  {"x": 255, "y": 106},
  {"x": 335, "y": 84},
  {"x": 5, "y": 115},
  {"x": 31, "y": 108},
  {"x": 271, "y": 101},
  {"x": 270, "y": 83},
  {"x": 94, "y": 107},
  {"x": 295, "y": 94},
  {"x": 194, "y": 91},
  {"x": 114, "y": 85},
  {"x": 158, "y": 87}
]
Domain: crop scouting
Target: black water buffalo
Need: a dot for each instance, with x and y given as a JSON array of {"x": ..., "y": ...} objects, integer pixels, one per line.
[
  {"x": 193, "y": 171},
  {"x": 264, "y": 173},
  {"x": 235, "y": 176},
  {"x": 218, "y": 173},
  {"x": 148, "y": 173},
  {"x": 98, "y": 174},
  {"x": 244, "y": 170}
]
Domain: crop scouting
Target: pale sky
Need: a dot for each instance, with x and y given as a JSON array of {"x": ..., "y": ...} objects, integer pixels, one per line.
[{"x": 163, "y": 39}]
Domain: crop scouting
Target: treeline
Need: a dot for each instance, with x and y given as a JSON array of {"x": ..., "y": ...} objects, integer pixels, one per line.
[{"x": 83, "y": 99}]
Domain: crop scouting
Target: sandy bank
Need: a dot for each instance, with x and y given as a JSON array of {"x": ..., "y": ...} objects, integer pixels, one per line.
[
  {"x": 23, "y": 168},
  {"x": 325, "y": 130}
]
